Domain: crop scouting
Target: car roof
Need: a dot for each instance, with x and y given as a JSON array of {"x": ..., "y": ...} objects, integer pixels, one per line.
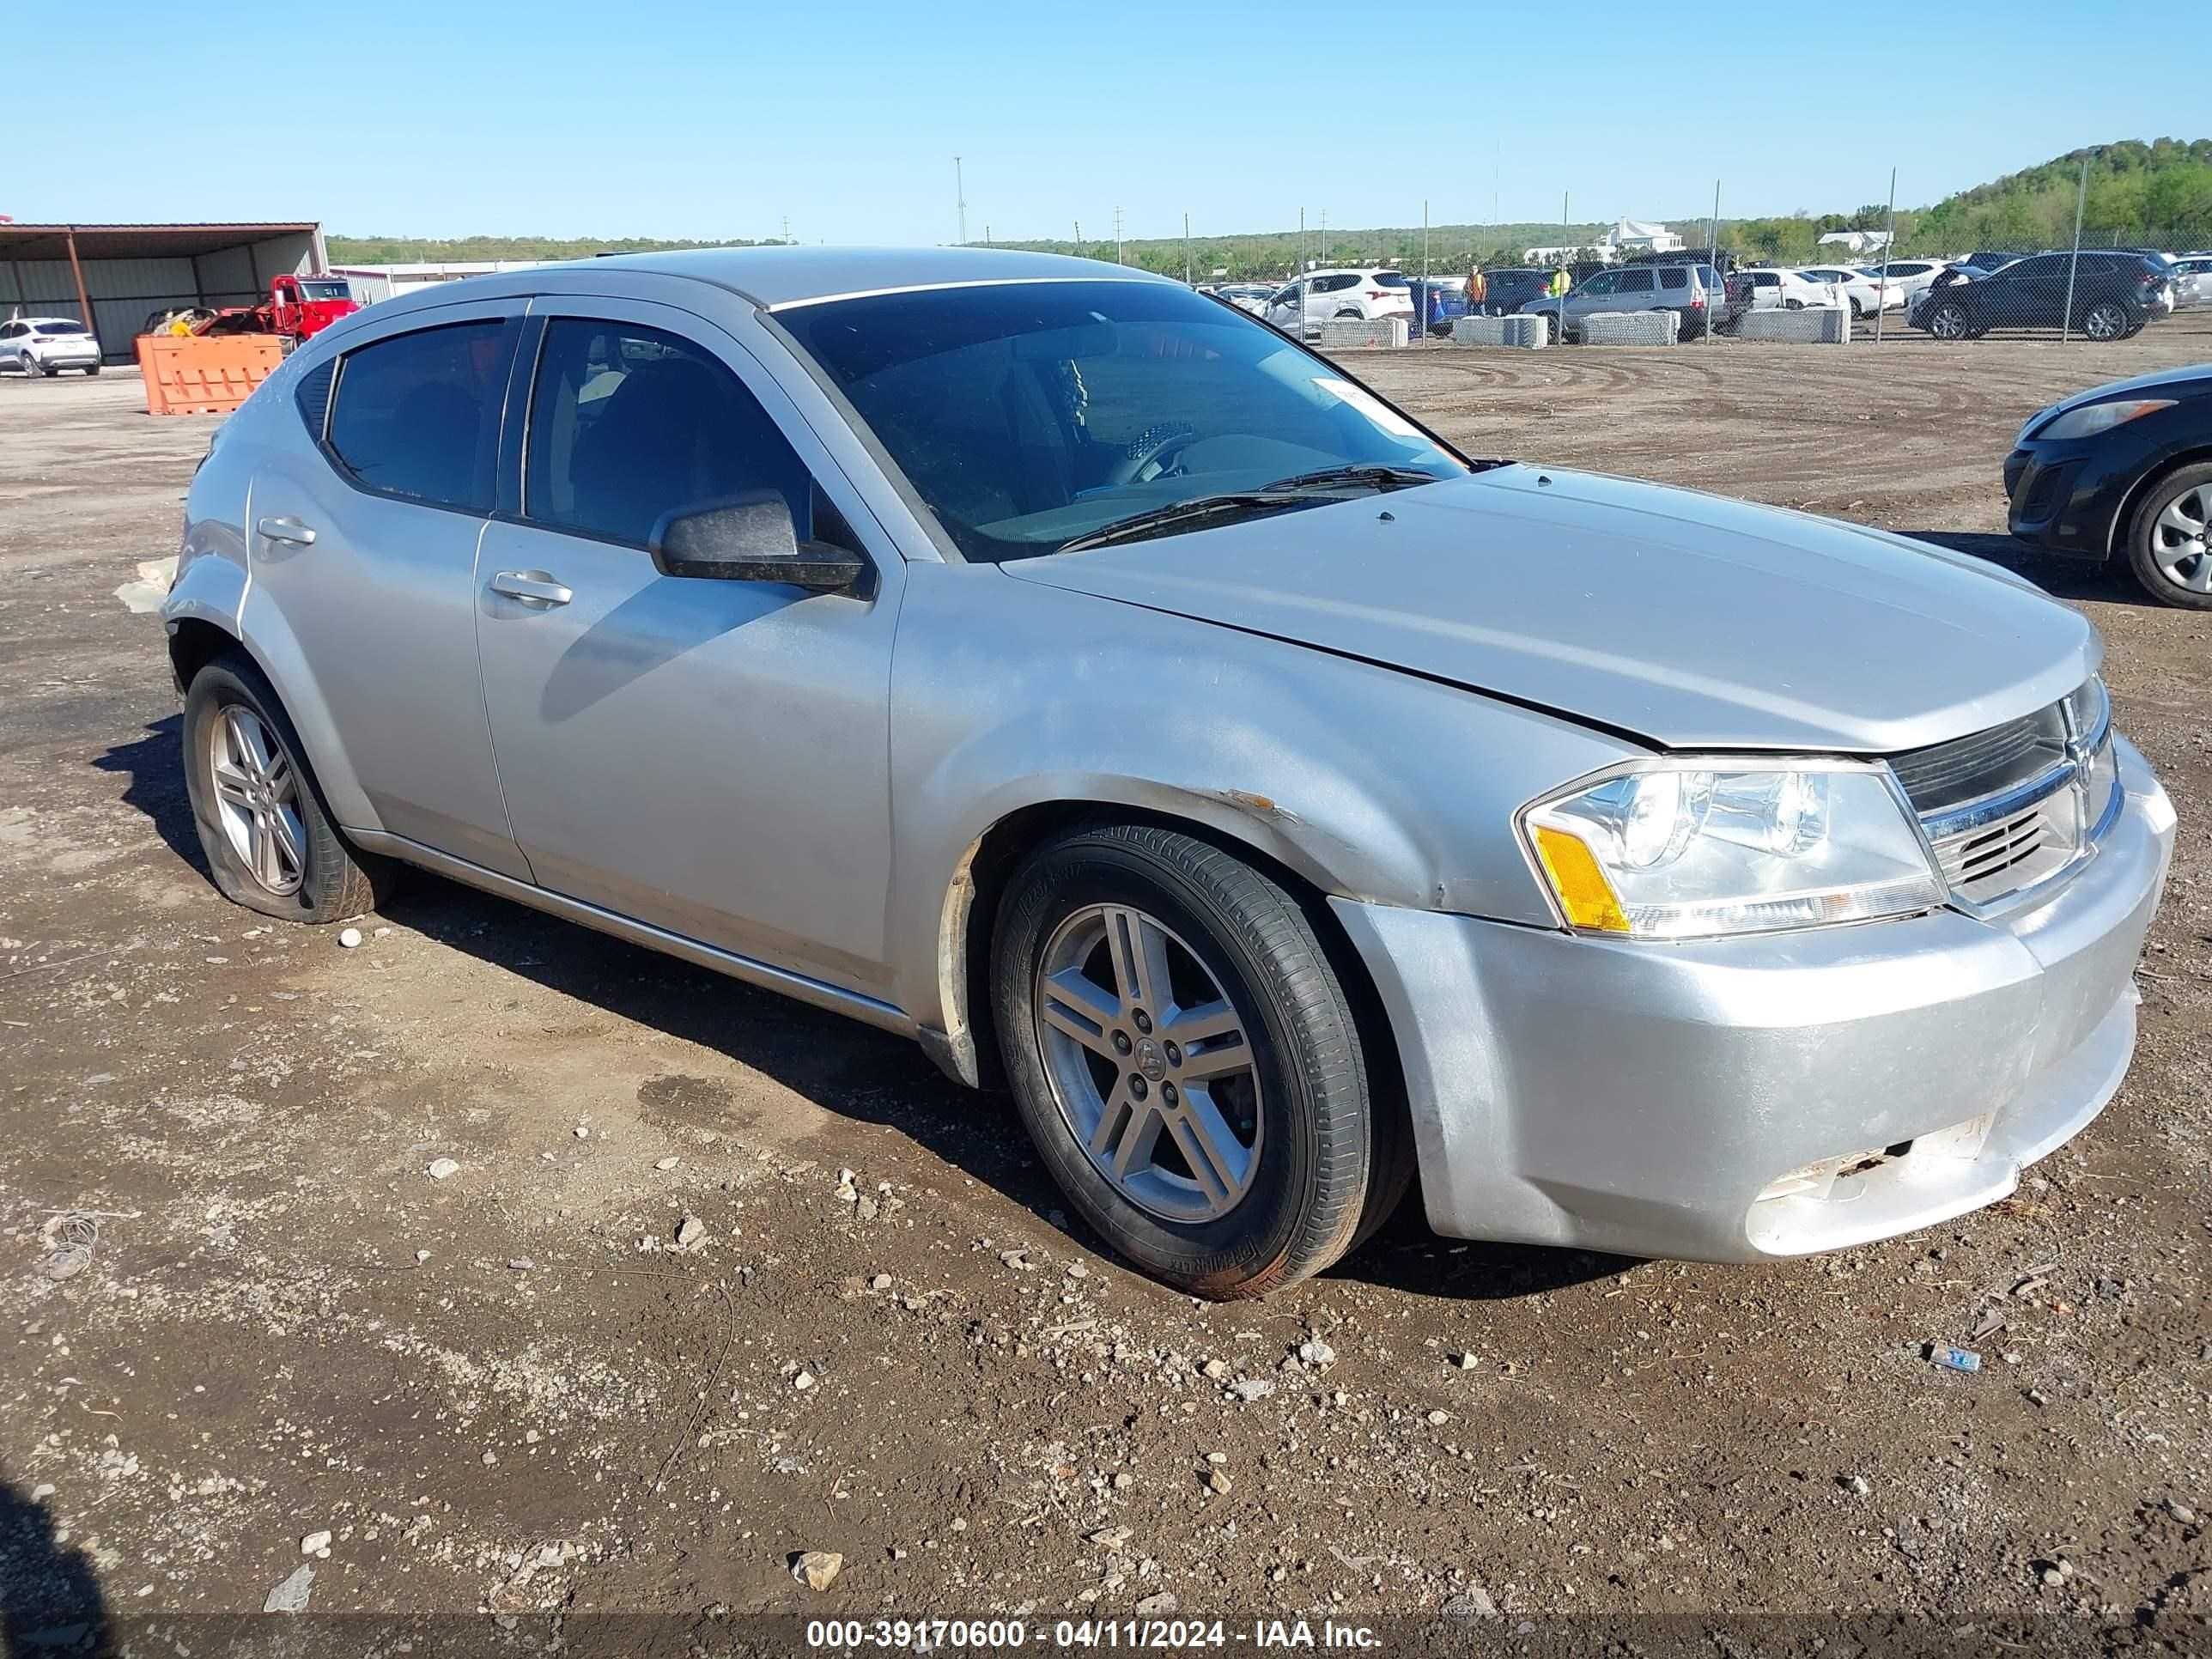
[
  {"x": 71, "y": 321},
  {"x": 787, "y": 276}
]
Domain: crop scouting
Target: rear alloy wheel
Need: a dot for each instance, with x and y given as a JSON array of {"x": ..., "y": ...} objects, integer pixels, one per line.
[
  {"x": 1186, "y": 1061},
  {"x": 2170, "y": 539},
  {"x": 270, "y": 842},
  {"x": 2106, "y": 320},
  {"x": 1949, "y": 321}
]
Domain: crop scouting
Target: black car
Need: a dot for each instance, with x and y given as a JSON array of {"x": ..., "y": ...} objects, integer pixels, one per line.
[
  {"x": 1507, "y": 288},
  {"x": 2114, "y": 294},
  {"x": 2123, "y": 470}
]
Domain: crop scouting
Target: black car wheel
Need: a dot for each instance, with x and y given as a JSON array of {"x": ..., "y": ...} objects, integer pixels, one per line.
[
  {"x": 1950, "y": 322},
  {"x": 2170, "y": 538},
  {"x": 1187, "y": 1061},
  {"x": 2107, "y": 320}
]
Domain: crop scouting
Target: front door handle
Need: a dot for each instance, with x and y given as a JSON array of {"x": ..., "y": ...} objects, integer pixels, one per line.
[
  {"x": 531, "y": 587},
  {"x": 287, "y": 529}
]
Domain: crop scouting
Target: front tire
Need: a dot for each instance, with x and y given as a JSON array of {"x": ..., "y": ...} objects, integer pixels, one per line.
[
  {"x": 1186, "y": 1061},
  {"x": 270, "y": 842},
  {"x": 2170, "y": 539}
]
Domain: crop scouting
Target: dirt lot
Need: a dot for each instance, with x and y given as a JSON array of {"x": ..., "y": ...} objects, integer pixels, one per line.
[{"x": 492, "y": 1395}]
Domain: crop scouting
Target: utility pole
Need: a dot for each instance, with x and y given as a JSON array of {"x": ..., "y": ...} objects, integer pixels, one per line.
[
  {"x": 1302, "y": 242},
  {"x": 1117, "y": 236},
  {"x": 2080, "y": 201},
  {"x": 1713, "y": 247},
  {"x": 1888, "y": 259},
  {"x": 1079, "y": 239},
  {"x": 786, "y": 227},
  {"x": 960, "y": 199},
  {"x": 1185, "y": 250}
]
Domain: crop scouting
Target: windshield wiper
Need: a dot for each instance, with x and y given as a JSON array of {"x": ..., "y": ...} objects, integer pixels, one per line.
[
  {"x": 1379, "y": 476},
  {"x": 1189, "y": 515}
]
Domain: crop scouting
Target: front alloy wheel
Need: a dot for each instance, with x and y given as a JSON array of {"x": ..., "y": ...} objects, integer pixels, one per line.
[
  {"x": 1188, "y": 1060},
  {"x": 1149, "y": 1064},
  {"x": 1949, "y": 321},
  {"x": 2170, "y": 539}
]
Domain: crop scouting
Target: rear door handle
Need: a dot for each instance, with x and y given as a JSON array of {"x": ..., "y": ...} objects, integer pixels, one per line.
[
  {"x": 531, "y": 587},
  {"x": 286, "y": 529}
]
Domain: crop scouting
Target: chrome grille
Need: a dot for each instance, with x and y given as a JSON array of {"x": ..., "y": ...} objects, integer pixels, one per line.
[{"x": 2006, "y": 808}]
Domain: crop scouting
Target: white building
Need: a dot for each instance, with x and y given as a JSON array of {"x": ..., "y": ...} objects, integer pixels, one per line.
[
  {"x": 372, "y": 283},
  {"x": 1627, "y": 237},
  {"x": 1630, "y": 236},
  {"x": 1858, "y": 241}
]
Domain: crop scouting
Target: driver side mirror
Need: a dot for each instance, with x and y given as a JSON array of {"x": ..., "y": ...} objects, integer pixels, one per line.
[{"x": 750, "y": 539}]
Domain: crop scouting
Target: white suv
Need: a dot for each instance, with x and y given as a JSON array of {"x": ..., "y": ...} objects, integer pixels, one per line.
[
  {"x": 1302, "y": 306},
  {"x": 47, "y": 345}
]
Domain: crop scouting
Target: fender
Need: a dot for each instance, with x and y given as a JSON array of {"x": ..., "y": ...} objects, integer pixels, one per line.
[
  {"x": 1368, "y": 784},
  {"x": 214, "y": 586}
]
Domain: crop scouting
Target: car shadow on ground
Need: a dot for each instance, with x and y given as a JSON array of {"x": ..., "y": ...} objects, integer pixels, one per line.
[
  {"x": 50, "y": 1599},
  {"x": 2062, "y": 579},
  {"x": 153, "y": 767},
  {"x": 847, "y": 1068}
]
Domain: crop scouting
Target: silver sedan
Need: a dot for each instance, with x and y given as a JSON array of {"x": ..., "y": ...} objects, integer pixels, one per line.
[{"x": 1041, "y": 660}]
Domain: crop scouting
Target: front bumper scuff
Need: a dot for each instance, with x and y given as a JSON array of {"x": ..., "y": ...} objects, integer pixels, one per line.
[{"x": 1640, "y": 1098}]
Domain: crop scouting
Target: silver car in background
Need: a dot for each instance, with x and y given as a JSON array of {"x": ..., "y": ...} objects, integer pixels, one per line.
[
  {"x": 47, "y": 345},
  {"x": 1043, "y": 661}
]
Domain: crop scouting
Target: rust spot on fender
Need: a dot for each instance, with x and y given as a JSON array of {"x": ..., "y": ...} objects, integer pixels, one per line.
[{"x": 1245, "y": 801}]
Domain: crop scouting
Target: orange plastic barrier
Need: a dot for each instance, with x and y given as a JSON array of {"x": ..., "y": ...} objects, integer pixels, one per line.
[{"x": 193, "y": 375}]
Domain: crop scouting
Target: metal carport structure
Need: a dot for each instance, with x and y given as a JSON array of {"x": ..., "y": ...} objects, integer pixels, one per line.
[{"x": 115, "y": 276}]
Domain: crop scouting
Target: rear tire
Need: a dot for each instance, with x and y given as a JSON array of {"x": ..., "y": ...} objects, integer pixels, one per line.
[
  {"x": 2160, "y": 544},
  {"x": 270, "y": 843},
  {"x": 1304, "y": 1171},
  {"x": 2106, "y": 320},
  {"x": 91, "y": 370},
  {"x": 1950, "y": 322}
]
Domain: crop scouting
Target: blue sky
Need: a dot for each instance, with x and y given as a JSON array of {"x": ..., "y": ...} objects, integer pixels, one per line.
[{"x": 672, "y": 119}]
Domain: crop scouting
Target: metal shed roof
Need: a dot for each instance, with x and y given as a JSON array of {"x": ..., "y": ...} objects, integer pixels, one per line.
[{"x": 136, "y": 242}]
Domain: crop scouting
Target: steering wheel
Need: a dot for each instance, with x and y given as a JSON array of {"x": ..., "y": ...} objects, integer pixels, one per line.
[{"x": 1141, "y": 462}]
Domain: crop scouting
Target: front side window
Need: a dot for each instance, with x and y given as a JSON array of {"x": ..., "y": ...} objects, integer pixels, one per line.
[
  {"x": 1028, "y": 415},
  {"x": 630, "y": 423},
  {"x": 416, "y": 416}
]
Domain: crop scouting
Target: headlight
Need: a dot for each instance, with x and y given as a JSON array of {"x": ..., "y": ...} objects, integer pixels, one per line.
[
  {"x": 2092, "y": 418},
  {"x": 1688, "y": 850}
]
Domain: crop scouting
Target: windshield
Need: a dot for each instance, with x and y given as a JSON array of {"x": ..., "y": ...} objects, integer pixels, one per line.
[
  {"x": 1029, "y": 415},
  {"x": 324, "y": 290},
  {"x": 62, "y": 328}
]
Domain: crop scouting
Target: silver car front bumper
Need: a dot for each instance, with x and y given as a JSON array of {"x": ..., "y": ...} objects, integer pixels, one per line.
[{"x": 1732, "y": 1100}]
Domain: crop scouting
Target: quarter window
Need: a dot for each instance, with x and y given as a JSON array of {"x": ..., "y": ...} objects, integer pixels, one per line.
[
  {"x": 627, "y": 424},
  {"x": 417, "y": 415}
]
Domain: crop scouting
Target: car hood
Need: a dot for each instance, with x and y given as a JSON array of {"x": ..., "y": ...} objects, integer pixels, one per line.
[
  {"x": 2196, "y": 378},
  {"x": 1681, "y": 619}
]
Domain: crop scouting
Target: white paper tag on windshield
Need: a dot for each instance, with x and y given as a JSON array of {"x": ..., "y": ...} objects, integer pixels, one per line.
[{"x": 1369, "y": 405}]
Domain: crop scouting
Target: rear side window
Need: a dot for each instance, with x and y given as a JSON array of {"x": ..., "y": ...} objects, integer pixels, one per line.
[
  {"x": 1637, "y": 281},
  {"x": 1391, "y": 279},
  {"x": 1674, "y": 277},
  {"x": 417, "y": 415},
  {"x": 627, "y": 424}
]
